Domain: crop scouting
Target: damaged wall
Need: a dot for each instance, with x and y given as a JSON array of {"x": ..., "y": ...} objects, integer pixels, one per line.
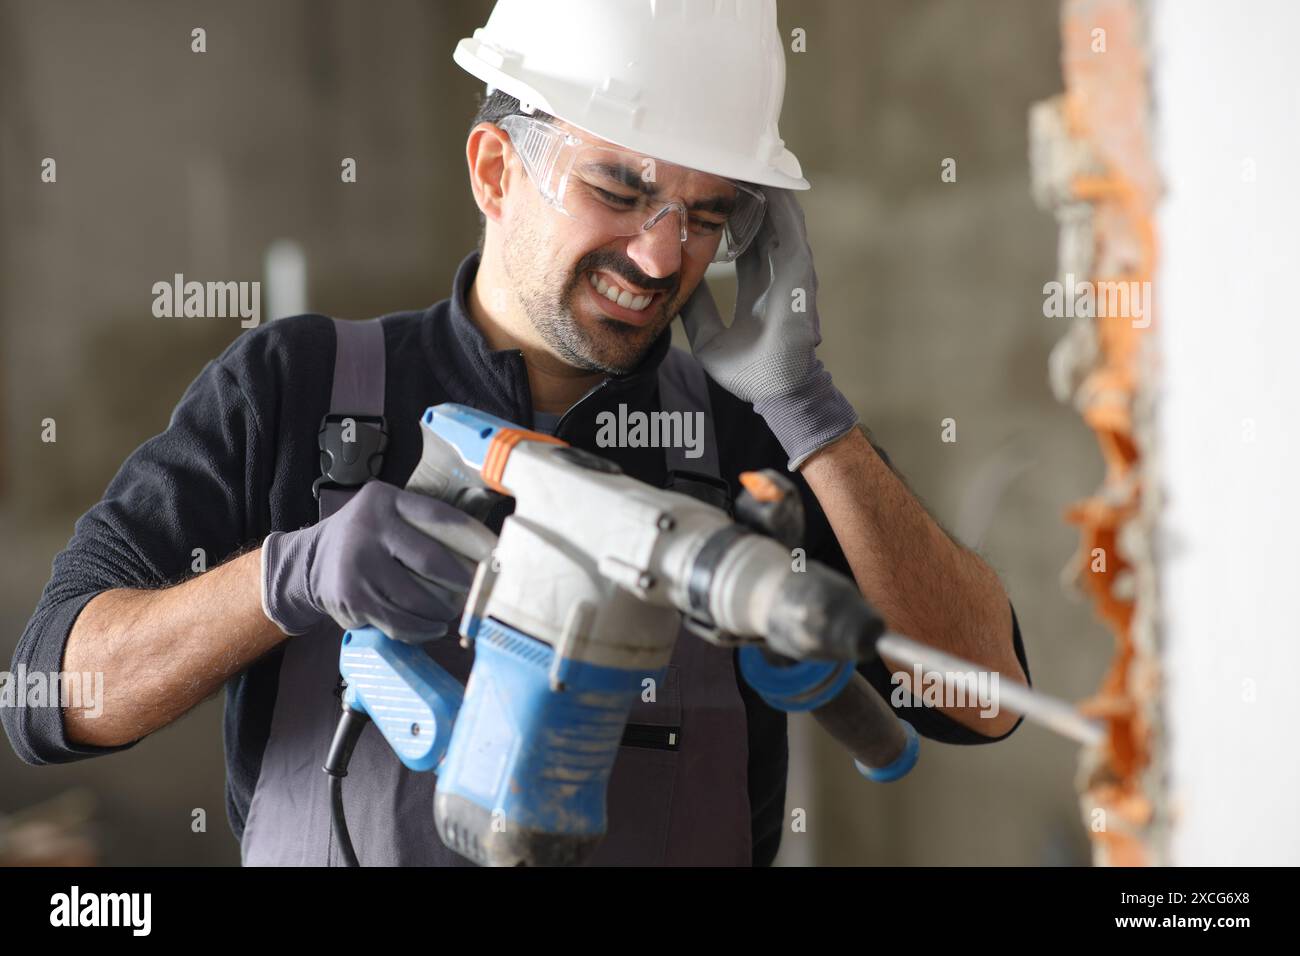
[{"x": 1093, "y": 167}]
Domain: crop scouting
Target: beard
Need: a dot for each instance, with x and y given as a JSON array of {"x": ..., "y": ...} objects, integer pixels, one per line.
[{"x": 549, "y": 298}]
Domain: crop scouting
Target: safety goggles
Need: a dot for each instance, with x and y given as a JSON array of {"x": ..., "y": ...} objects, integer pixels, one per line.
[{"x": 618, "y": 191}]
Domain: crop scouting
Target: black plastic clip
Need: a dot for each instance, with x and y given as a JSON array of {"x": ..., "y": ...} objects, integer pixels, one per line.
[
  {"x": 701, "y": 487},
  {"x": 351, "y": 450}
]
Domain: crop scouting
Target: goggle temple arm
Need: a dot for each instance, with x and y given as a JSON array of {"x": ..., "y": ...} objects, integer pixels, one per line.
[
  {"x": 737, "y": 244},
  {"x": 539, "y": 146}
]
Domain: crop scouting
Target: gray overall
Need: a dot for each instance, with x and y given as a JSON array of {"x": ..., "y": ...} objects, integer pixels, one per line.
[{"x": 685, "y": 804}]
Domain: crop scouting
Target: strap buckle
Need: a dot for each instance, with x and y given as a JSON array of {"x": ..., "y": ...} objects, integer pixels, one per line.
[
  {"x": 700, "y": 486},
  {"x": 351, "y": 450}
]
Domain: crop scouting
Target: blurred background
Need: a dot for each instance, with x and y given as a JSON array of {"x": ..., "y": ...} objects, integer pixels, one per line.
[{"x": 171, "y": 161}]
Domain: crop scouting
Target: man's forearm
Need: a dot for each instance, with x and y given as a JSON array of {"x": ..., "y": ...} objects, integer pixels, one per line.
[
  {"x": 924, "y": 584},
  {"x": 164, "y": 651}
]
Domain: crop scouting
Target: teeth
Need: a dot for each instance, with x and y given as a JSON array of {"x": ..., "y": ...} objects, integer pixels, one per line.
[{"x": 619, "y": 296}]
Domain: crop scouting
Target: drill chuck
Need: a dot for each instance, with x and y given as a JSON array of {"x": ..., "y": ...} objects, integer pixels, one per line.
[{"x": 748, "y": 585}]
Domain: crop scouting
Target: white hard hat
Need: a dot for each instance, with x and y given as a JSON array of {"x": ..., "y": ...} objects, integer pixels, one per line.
[{"x": 698, "y": 83}]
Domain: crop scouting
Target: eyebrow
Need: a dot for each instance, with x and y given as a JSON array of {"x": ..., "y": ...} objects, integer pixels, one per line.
[{"x": 629, "y": 177}]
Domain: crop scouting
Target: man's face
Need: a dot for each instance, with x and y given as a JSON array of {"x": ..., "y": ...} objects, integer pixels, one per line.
[{"x": 563, "y": 270}]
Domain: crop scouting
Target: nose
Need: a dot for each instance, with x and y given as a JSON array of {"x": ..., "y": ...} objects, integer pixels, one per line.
[{"x": 657, "y": 251}]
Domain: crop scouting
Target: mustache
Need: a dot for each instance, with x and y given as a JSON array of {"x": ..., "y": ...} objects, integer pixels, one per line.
[{"x": 621, "y": 267}]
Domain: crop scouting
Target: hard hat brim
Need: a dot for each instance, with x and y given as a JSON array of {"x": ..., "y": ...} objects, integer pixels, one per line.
[{"x": 574, "y": 105}]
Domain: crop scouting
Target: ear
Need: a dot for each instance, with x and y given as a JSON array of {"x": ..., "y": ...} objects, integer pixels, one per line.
[{"x": 487, "y": 152}]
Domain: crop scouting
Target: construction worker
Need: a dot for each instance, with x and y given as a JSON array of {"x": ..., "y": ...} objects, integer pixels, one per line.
[{"x": 622, "y": 147}]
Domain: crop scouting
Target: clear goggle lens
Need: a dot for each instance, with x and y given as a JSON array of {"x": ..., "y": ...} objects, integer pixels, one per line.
[{"x": 620, "y": 192}]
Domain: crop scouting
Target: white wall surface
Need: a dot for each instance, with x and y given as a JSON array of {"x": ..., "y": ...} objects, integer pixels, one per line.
[{"x": 1227, "y": 93}]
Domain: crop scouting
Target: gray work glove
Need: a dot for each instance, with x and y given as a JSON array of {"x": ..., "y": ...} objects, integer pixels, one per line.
[
  {"x": 379, "y": 561},
  {"x": 767, "y": 356}
]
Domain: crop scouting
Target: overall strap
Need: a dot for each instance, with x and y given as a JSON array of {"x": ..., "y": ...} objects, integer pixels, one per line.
[
  {"x": 353, "y": 434},
  {"x": 289, "y": 816},
  {"x": 684, "y": 388}
]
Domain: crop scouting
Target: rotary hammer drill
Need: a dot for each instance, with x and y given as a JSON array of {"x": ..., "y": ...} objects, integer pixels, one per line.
[{"x": 572, "y": 609}]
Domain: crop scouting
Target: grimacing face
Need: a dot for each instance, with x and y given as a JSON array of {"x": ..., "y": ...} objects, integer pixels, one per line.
[{"x": 559, "y": 266}]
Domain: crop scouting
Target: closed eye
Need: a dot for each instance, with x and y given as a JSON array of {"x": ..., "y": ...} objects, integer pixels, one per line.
[{"x": 624, "y": 202}]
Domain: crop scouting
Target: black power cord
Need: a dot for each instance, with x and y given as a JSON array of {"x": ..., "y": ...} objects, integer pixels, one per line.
[{"x": 346, "y": 735}]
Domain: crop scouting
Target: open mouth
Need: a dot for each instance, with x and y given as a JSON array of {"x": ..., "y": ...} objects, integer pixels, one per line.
[
  {"x": 619, "y": 301},
  {"x": 618, "y": 294}
]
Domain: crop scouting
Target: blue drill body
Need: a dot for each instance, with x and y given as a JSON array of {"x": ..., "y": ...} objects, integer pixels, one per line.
[{"x": 525, "y": 749}]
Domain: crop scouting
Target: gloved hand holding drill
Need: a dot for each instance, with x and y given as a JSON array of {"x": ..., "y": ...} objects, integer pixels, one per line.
[
  {"x": 584, "y": 604},
  {"x": 767, "y": 356},
  {"x": 381, "y": 560}
]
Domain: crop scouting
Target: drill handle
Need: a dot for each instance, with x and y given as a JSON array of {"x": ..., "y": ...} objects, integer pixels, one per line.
[
  {"x": 410, "y": 697},
  {"x": 884, "y": 746},
  {"x": 456, "y": 441}
]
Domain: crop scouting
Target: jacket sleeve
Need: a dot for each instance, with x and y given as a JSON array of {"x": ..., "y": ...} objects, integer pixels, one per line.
[
  {"x": 935, "y": 724},
  {"x": 176, "y": 507}
]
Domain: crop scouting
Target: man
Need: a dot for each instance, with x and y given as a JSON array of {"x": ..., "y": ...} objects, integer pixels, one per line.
[{"x": 592, "y": 245}]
